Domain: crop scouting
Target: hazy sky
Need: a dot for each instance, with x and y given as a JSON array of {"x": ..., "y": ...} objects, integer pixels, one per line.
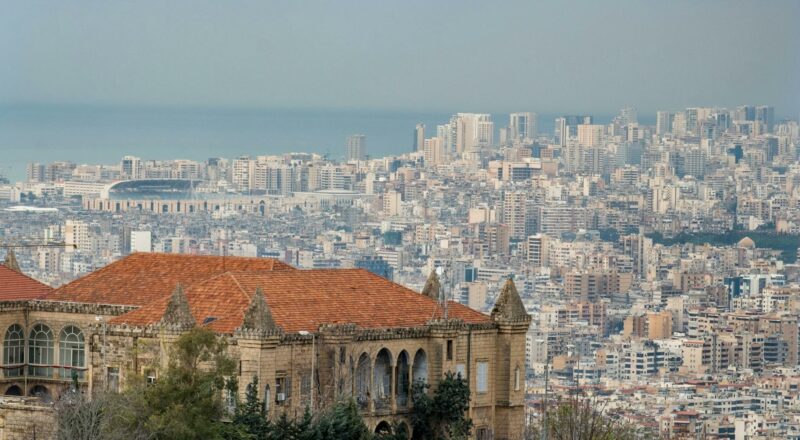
[{"x": 546, "y": 56}]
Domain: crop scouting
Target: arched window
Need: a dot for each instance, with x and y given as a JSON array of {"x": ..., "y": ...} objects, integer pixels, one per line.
[
  {"x": 363, "y": 381},
  {"x": 14, "y": 351},
  {"x": 267, "y": 397},
  {"x": 40, "y": 351},
  {"x": 419, "y": 370},
  {"x": 71, "y": 352},
  {"x": 382, "y": 379},
  {"x": 402, "y": 385}
]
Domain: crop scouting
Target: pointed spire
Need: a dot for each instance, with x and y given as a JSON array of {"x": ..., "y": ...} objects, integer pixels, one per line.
[
  {"x": 509, "y": 305},
  {"x": 178, "y": 312},
  {"x": 433, "y": 287},
  {"x": 258, "y": 316},
  {"x": 11, "y": 261}
]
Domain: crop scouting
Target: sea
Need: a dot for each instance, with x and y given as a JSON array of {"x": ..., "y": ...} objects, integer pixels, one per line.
[{"x": 103, "y": 135}]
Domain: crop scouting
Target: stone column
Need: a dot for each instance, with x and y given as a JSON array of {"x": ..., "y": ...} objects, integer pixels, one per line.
[
  {"x": 371, "y": 389},
  {"x": 393, "y": 386}
]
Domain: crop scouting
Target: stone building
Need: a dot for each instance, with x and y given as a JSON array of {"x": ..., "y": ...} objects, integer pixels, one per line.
[{"x": 310, "y": 336}]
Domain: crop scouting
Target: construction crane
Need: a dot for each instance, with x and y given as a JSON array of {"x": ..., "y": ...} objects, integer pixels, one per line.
[{"x": 37, "y": 245}]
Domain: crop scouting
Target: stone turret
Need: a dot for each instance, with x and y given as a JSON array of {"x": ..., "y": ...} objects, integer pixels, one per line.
[
  {"x": 11, "y": 261},
  {"x": 178, "y": 313},
  {"x": 512, "y": 325},
  {"x": 509, "y": 307},
  {"x": 258, "y": 315},
  {"x": 433, "y": 287}
]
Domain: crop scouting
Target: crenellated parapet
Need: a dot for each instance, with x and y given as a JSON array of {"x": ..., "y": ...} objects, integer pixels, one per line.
[
  {"x": 65, "y": 307},
  {"x": 392, "y": 333}
]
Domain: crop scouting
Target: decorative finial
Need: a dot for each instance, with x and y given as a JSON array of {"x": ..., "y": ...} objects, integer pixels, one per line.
[
  {"x": 11, "y": 261},
  {"x": 258, "y": 315},
  {"x": 178, "y": 312},
  {"x": 508, "y": 306},
  {"x": 433, "y": 287}
]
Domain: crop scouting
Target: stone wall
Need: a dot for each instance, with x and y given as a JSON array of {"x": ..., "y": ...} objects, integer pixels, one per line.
[
  {"x": 26, "y": 419},
  {"x": 284, "y": 361}
]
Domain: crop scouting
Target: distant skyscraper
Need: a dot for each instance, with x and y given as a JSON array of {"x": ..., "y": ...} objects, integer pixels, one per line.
[
  {"x": 446, "y": 133},
  {"x": 679, "y": 124},
  {"x": 434, "y": 151},
  {"x": 561, "y": 133},
  {"x": 536, "y": 250},
  {"x": 590, "y": 135},
  {"x": 744, "y": 113},
  {"x": 356, "y": 147},
  {"x": 664, "y": 122},
  {"x": 694, "y": 163},
  {"x": 691, "y": 120},
  {"x": 514, "y": 213},
  {"x": 567, "y": 126},
  {"x": 35, "y": 172},
  {"x": 628, "y": 116},
  {"x": 419, "y": 137},
  {"x": 131, "y": 168},
  {"x": 522, "y": 126},
  {"x": 765, "y": 115},
  {"x": 472, "y": 131}
]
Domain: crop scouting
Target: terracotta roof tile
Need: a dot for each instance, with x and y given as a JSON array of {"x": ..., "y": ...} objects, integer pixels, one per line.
[
  {"x": 18, "y": 286},
  {"x": 306, "y": 299},
  {"x": 143, "y": 278}
]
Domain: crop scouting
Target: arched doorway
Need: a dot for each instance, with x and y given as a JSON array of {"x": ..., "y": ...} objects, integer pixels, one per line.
[
  {"x": 402, "y": 430},
  {"x": 41, "y": 392},
  {"x": 13, "y": 390},
  {"x": 383, "y": 428}
]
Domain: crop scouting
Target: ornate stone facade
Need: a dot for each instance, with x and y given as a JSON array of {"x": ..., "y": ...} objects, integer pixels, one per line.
[{"x": 296, "y": 369}]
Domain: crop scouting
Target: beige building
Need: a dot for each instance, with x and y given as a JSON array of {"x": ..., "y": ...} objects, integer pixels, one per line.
[
  {"x": 311, "y": 336},
  {"x": 590, "y": 135},
  {"x": 595, "y": 284}
]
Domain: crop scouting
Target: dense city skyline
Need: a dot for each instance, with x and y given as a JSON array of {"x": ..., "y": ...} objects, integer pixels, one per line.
[{"x": 412, "y": 220}]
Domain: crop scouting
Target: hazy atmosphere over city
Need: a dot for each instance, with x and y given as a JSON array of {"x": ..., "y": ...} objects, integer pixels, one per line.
[
  {"x": 394, "y": 220},
  {"x": 583, "y": 56}
]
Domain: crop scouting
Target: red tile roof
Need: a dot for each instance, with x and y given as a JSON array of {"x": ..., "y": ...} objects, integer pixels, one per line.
[
  {"x": 143, "y": 278},
  {"x": 306, "y": 299},
  {"x": 18, "y": 286}
]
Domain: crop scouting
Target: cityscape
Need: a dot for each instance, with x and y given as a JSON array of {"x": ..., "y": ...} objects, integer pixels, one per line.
[{"x": 637, "y": 273}]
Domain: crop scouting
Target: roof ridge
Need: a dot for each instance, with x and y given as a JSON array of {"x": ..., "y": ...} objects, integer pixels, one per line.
[
  {"x": 239, "y": 285},
  {"x": 91, "y": 275},
  {"x": 174, "y": 255}
]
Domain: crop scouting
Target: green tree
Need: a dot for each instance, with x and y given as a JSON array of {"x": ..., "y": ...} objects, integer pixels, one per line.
[
  {"x": 342, "y": 422},
  {"x": 185, "y": 403},
  {"x": 249, "y": 420},
  {"x": 442, "y": 416},
  {"x": 307, "y": 428}
]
